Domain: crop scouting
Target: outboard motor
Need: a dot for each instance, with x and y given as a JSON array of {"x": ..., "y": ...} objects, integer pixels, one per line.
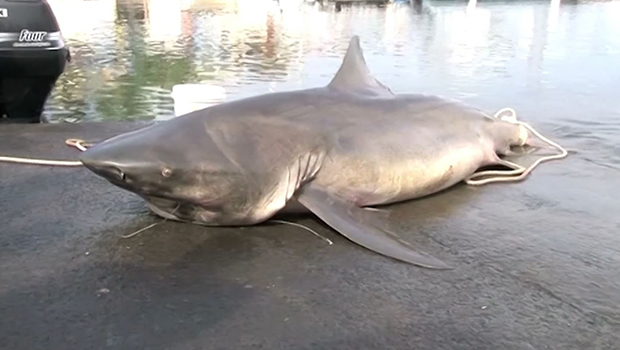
[{"x": 32, "y": 57}]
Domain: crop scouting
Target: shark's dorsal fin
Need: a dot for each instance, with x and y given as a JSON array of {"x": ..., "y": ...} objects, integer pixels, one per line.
[{"x": 354, "y": 75}]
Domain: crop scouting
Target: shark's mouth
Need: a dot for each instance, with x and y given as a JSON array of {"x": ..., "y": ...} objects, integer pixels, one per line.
[
  {"x": 179, "y": 210},
  {"x": 166, "y": 208}
]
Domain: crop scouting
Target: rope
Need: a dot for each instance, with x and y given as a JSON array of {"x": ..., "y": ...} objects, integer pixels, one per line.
[
  {"x": 151, "y": 225},
  {"x": 305, "y": 228},
  {"x": 79, "y": 144},
  {"x": 519, "y": 172}
]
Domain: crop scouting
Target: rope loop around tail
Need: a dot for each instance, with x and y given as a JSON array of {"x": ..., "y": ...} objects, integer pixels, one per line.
[{"x": 519, "y": 172}]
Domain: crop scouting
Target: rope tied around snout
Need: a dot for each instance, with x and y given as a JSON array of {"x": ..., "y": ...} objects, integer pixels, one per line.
[
  {"x": 76, "y": 143},
  {"x": 518, "y": 172}
]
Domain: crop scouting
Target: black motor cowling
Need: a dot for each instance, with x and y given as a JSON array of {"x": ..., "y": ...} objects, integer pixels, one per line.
[{"x": 32, "y": 57}]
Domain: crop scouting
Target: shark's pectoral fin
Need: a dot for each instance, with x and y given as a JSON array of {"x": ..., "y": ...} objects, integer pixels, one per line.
[{"x": 364, "y": 227}]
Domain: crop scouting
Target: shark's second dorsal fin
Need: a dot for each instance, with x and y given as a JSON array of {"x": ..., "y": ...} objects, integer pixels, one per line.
[{"x": 354, "y": 75}]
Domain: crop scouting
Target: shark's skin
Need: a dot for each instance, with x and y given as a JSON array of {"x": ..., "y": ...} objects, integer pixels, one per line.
[{"x": 334, "y": 150}]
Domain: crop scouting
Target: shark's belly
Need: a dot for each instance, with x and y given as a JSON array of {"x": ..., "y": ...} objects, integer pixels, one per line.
[{"x": 375, "y": 176}]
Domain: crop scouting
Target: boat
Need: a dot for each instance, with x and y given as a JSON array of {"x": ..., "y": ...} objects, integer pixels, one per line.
[{"x": 33, "y": 56}]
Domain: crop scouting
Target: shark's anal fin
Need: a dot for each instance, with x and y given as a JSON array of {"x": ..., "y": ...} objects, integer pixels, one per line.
[
  {"x": 354, "y": 75},
  {"x": 364, "y": 227}
]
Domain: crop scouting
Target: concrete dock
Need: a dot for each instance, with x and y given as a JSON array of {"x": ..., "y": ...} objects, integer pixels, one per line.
[{"x": 537, "y": 266}]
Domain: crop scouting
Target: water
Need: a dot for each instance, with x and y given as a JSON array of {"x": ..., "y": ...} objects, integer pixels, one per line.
[{"x": 557, "y": 63}]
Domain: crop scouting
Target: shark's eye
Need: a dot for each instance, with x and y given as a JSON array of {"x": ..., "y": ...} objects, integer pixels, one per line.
[{"x": 166, "y": 172}]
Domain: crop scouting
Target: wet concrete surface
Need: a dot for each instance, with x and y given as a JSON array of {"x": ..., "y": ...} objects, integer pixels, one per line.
[{"x": 537, "y": 266}]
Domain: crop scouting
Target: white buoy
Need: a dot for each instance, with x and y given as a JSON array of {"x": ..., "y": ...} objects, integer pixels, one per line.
[{"x": 192, "y": 97}]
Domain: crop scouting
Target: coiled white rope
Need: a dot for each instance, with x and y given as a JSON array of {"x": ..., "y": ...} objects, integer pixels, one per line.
[
  {"x": 79, "y": 144},
  {"x": 519, "y": 172}
]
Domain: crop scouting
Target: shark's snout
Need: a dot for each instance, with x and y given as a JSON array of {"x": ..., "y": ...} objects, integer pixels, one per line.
[{"x": 102, "y": 166}]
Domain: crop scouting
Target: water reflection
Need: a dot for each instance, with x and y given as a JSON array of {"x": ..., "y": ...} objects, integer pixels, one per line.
[{"x": 128, "y": 54}]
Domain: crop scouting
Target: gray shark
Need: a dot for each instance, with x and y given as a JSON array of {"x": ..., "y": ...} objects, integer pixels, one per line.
[{"x": 336, "y": 151}]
